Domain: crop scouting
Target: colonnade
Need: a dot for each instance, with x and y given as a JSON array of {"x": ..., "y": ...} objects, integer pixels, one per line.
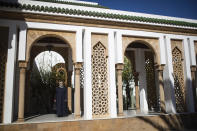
[{"x": 115, "y": 61}]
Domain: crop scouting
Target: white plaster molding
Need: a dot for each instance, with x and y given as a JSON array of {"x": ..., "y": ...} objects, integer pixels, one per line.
[
  {"x": 168, "y": 79},
  {"x": 87, "y": 76},
  {"x": 79, "y": 46},
  {"x": 118, "y": 42},
  {"x": 162, "y": 50},
  {"x": 10, "y": 73},
  {"x": 188, "y": 79},
  {"x": 140, "y": 33},
  {"x": 22, "y": 43},
  {"x": 192, "y": 50},
  {"x": 112, "y": 79},
  {"x": 60, "y": 27}
]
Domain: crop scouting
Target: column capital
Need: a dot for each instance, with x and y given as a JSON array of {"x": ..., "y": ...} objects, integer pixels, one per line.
[
  {"x": 78, "y": 65},
  {"x": 159, "y": 68},
  {"x": 22, "y": 64},
  {"x": 193, "y": 68},
  {"x": 119, "y": 66}
]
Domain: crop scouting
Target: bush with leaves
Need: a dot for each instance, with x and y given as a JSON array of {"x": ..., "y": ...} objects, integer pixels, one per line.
[{"x": 127, "y": 77}]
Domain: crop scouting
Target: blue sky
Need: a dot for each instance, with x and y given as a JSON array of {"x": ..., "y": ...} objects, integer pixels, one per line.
[{"x": 176, "y": 8}]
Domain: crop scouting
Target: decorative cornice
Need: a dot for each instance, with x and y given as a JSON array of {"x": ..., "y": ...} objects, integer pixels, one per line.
[{"x": 95, "y": 14}]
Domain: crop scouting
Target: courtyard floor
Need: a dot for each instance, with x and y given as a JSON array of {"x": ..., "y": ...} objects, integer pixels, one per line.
[{"x": 54, "y": 118}]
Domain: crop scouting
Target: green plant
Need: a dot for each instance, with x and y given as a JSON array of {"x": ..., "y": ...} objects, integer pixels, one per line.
[{"x": 127, "y": 77}]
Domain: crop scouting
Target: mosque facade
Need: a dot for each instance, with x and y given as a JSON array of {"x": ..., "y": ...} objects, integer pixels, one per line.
[{"x": 94, "y": 40}]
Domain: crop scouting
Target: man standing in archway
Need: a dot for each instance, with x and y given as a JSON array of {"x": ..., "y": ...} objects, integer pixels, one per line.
[{"x": 61, "y": 100}]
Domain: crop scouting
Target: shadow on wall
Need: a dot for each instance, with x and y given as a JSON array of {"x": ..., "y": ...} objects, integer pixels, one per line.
[
  {"x": 169, "y": 94},
  {"x": 179, "y": 121}
]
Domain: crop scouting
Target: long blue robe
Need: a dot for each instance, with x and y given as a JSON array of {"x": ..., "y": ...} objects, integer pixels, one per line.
[{"x": 61, "y": 98}]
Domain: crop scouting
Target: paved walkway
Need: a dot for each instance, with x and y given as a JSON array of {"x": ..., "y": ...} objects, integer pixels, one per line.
[
  {"x": 54, "y": 118},
  {"x": 50, "y": 118}
]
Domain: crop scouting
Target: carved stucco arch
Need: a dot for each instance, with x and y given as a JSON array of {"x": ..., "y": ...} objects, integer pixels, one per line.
[
  {"x": 34, "y": 35},
  {"x": 152, "y": 43}
]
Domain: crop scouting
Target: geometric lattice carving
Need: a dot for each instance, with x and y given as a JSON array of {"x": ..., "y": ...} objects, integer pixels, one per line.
[
  {"x": 150, "y": 80},
  {"x": 99, "y": 82},
  {"x": 82, "y": 77},
  {"x": 178, "y": 79},
  {"x": 3, "y": 59}
]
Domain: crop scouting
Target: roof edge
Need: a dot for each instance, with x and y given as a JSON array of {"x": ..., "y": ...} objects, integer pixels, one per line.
[{"x": 97, "y": 14}]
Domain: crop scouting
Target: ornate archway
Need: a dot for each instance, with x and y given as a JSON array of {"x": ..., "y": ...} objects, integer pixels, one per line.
[
  {"x": 59, "y": 49},
  {"x": 142, "y": 58},
  {"x": 38, "y": 41}
]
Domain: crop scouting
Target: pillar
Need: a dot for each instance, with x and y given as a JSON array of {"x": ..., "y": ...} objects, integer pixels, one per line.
[
  {"x": 160, "y": 69},
  {"x": 193, "y": 74},
  {"x": 137, "y": 99},
  {"x": 168, "y": 78},
  {"x": 22, "y": 66},
  {"x": 10, "y": 75},
  {"x": 78, "y": 66},
  {"x": 119, "y": 68},
  {"x": 187, "y": 74},
  {"x": 112, "y": 75},
  {"x": 87, "y": 75}
]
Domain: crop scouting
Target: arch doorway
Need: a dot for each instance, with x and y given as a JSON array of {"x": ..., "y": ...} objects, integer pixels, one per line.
[
  {"x": 140, "y": 80},
  {"x": 50, "y": 61}
]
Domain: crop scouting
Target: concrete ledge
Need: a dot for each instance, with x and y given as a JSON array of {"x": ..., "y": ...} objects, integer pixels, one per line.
[{"x": 148, "y": 123}]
